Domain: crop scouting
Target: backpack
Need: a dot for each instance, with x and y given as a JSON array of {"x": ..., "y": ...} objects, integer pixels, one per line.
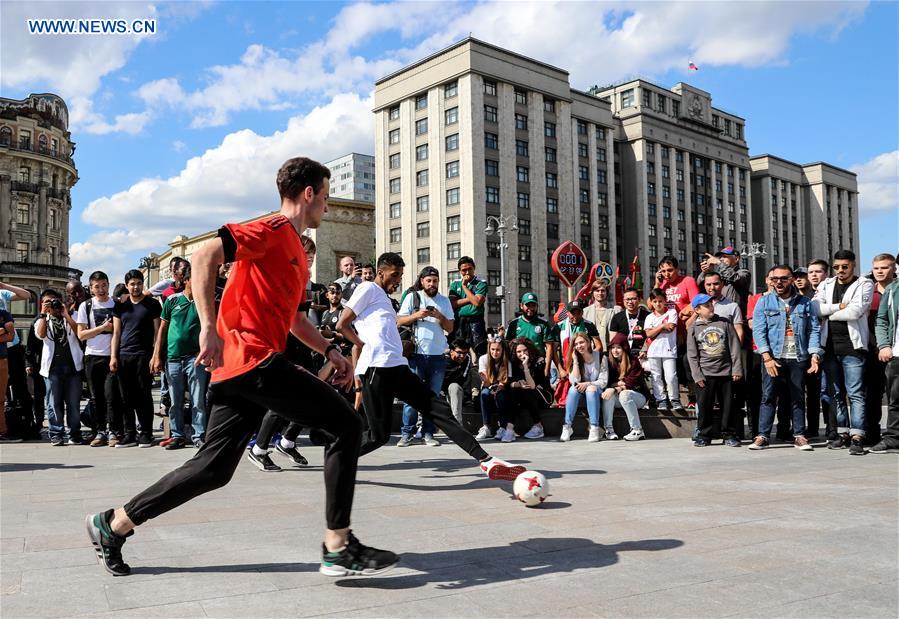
[{"x": 407, "y": 332}]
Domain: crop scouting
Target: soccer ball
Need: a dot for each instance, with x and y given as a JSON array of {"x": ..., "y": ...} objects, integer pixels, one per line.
[{"x": 531, "y": 488}]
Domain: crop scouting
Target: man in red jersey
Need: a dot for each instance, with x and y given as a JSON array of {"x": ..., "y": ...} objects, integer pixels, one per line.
[{"x": 250, "y": 376}]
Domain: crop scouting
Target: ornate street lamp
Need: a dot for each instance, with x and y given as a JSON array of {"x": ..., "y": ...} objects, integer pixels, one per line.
[
  {"x": 497, "y": 225},
  {"x": 752, "y": 251}
]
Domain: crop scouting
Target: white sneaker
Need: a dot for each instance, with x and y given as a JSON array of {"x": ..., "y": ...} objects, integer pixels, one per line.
[
  {"x": 536, "y": 431},
  {"x": 499, "y": 434},
  {"x": 594, "y": 435},
  {"x": 610, "y": 434},
  {"x": 430, "y": 441},
  {"x": 508, "y": 436},
  {"x": 663, "y": 405},
  {"x": 566, "y": 433},
  {"x": 635, "y": 435},
  {"x": 404, "y": 441},
  {"x": 483, "y": 434}
]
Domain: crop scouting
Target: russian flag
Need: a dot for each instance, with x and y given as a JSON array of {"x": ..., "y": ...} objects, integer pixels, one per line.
[{"x": 692, "y": 67}]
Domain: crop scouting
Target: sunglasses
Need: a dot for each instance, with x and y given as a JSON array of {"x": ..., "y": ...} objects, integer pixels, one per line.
[
  {"x": 781, "y": 279},
  {"x": 495, "y": 339},
  {"x": 840, "y": 267}
]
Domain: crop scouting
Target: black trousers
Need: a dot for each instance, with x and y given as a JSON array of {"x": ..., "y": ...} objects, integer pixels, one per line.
[
  {"x": 523, "y": 400},
  {"x": 38, "y": 398},
  {"x": 102, "y": 384},
  {"x": 891, "y": 433},
  {"x": 18, "y": 381},
  {"x": 136, "y": 386},
  {"x": 273, "y": 422},
  {"x": 718, "y": 388},
  {"x": 875, "y": 382},
  {"x": 237, "y": 406},
  {"x": 381, "y": 385}
]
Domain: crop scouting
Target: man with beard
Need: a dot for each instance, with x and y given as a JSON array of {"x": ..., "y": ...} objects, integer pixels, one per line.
[
  {"x": 431, "y": 316},
  {"x": 542, "y": 333}
]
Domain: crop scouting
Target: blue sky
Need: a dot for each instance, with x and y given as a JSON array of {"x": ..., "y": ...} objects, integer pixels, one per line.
[{"x": 180, "y": 131}]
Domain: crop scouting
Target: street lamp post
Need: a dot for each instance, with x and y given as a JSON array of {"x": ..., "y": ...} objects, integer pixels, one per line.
[
  {"x": 497, "y": 225},
  {"x": 149, "y": 262},
  {"x": 751, "y": 251}
]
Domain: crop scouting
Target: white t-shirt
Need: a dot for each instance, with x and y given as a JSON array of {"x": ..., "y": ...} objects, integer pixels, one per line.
[
  {"x": 429, "y": 336},
  {"x": 376, "y": 325},
  {"x": 664, "y": 345},
  {"x": 482, "y": 366},
  {"x": 99, "y": 345}
]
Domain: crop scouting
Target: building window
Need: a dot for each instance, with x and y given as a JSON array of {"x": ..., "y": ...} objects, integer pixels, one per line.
[
  {"x": 396, "y": 235},
  {"x": 743, "y": 226},
  {"x": 651, "y": 210},
  {"x": 552, "y": 205},
  {"x": 523, "y": 200},
  {"x": 394, "y": 113},
  {"x": 650, "y": 148},
  {"x": 549, "y": 105},
  {"x": 552, "y": 180},
  {"x": 627, "y": 98},
  {"x": 394, "y": 210},
  {"x": 601, "y": 134},
  {"x": 25, "y": 174},
  {"x": 521, "y": 97},
  {"x": 492, "y": 250},
  {"x": 423, "y": 255},
  {"x": 452, "y": 142},
  {"x": 549, "y": 129},
  {"x": 521, "y": 148},
  {"x": 730, "y": 188},
  {"x": 422, "y": 230},
  {"x": 394, "y": 136},
  {"x": 585, "y": 196},
  {"x": 453, "y": 251},
  {"x": 550, "y": 154},
  {"x": 524, "y": 280},
  {"x": 394, "y": 161},
  {"x": 421, "y": 126},
  {"x": 491, "y": 167},
  {"x": 23, "y": 215},
  {"x": 603, "y": 222},
  {"x": 666, "y": 191},
  {"x": 421, "y": 102},
  {"x": 581, "y": 150},
  {"x": 602, "y": 198},
  {"x": 452, "y": 223},
  {"x": 521, "y": 121},
  {"x": 522, "y": 174},
  {"x": 647, "y": 98},
  {"x": 5, "y": 136},
  {"x": 524, "y": 227},
  {"x": 450, "y": 90},
  {"x": 22, "y": 251},
  {"x": 585, "y": 218},
  {"x": 552, "y": 230},
  {"x": 491, "y": 140},
  {"x": 660, "y": 103},
  {"x": 581, "y": 127},
  {"x": 583, "y": 173},
  {"x": 421, "y": 152},
  {"x": 451, "y": 116},
  {"x": 489, "y": 88},
  {"x": 422, "y": 204},
  {"x": 421, "y": 178},
  {"x": 680, "y": 215},
  {"x": 679, "y": 175},
  {"x": 490, "y": 114},
  {"x": 394, "y": 185},
  {"x": 700, "y": 218},
  {"x": 452, "y": 169},
  {"x": 452, "y": 196},
  {"x": 600, "y": 177},
  {"x": 601, "y": 154},
  {"x": 651, "y": 189},
  {"x": 524, "y": 253},
  {"x": 493, "y": 278},
  {"x": 666, "y": 212},
  {"x": 492, "y": 195},
  {"x": 680, "y": 195}
]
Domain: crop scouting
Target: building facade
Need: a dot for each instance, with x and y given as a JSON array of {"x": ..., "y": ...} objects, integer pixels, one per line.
[
  {"x": 37, "y": 173},
  {"x": 347, "y": 229},
  {"x": 475, "y": 132},
  {"x": 353, "y": 177},
  {"x": 803, "y": 212}
]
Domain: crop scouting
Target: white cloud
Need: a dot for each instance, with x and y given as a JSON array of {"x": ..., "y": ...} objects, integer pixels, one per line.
[
  {"x": 231, "y": 182},
  {"x": 878, "y": 183}
]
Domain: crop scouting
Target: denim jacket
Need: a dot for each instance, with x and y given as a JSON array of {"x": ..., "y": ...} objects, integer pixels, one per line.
[{"x": 769, "y": 324}]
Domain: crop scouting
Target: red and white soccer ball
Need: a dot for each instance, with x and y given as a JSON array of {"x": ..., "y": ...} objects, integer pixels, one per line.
[{"x": 531, "y": 488}]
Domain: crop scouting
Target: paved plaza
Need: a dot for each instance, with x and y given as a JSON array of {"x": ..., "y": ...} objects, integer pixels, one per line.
[{"x": 651, "y": 529}]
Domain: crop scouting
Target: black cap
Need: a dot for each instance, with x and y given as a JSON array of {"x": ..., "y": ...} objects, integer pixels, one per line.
[
  {"x": 429, "y": 272},
  {"x": 800, "y": 272},
  {"x": 576, "y": 305}
]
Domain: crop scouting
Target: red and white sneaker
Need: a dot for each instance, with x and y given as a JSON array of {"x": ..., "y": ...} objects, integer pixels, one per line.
[
  {"x": 167, "y": 442},
  {"x": 500, "y": 469}
]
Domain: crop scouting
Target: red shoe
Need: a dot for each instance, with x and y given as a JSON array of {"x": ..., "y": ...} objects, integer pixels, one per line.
[
  {"x": 166, "y": 442},
  {"x": 500, "y": 469}
]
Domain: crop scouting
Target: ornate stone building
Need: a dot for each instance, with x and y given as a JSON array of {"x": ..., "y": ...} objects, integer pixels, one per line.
[{"x": 36, "y": 175}]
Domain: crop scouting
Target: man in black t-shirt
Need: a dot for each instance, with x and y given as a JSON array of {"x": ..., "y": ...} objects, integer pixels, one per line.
[
  {"x": 135, "y": 323},
  {"x": 630, "y": 322}
]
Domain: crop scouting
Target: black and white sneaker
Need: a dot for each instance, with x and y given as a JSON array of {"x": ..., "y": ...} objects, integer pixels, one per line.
[
  {"x": 107, "y": 544},
  {"x": 263, "y": 462},
  {"x": 857, "y": 447},
  {"x": 355, "y": 559},
  {"x": 291, "y": 453}
]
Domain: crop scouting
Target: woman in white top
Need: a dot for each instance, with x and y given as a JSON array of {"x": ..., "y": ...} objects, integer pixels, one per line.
[
  {"x": 494, "y": 369},
  {"x": 601, "y": 310},
  {"x": 588, "y": 372}
]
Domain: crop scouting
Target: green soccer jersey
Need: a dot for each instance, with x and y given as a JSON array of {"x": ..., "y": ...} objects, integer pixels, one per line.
[
  {"x": 538, "y": 331},
  {"x": 477, "y": 287},
  {"x": 584, "y": 326},
  {"x": 184, "y": 326}
]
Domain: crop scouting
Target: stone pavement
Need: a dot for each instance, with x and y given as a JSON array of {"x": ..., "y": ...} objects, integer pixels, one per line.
[{"x": 656, "y": 528}]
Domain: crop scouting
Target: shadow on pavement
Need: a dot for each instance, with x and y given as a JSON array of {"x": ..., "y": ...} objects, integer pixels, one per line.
[
  {"x": 18, "y": 467},
  {"x": 465, "y": 471},
  {"x": 482, "y": 566}
]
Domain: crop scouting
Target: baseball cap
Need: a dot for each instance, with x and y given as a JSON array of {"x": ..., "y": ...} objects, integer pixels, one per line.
[
  {"x": 429, "y": 272},
  {"x": 727, "y": 251},
  {"x": 700, "y": 299},
  {"x": 800, "y": 272},
  {"x": 528, "y": 297},
  {"x": 576, "y": 305}
]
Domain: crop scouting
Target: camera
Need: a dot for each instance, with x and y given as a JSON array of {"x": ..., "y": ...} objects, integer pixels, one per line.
[{"x": 55, "y": 304}]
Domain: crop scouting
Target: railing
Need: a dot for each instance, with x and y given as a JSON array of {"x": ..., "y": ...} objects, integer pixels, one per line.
[
  {"x": 27, "y": 146},
  {"x": 59, "y": 194},
  {"x": 24, "y": 186},
  {"x": 39, "y": 270}
]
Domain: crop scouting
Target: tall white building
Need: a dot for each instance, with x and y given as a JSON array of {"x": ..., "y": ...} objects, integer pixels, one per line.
[{"x": 353, "y": 177}]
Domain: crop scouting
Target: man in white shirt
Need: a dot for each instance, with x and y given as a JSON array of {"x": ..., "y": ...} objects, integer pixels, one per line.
[
  {"x": 386, "y": 374},
  {"x": 430, "y": 314}
]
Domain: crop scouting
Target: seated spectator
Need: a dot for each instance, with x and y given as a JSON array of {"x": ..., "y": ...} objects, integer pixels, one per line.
[
  {"x": 529, "y": 386},
  {"x": 494, "y": 369},
  {"x": 588, "y": 371},
  {"x": 624, "y": 389},
  {"x": 458, "y": 376}
]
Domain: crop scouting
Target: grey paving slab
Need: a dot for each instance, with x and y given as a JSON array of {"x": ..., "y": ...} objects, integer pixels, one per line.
[{"x": 656, "y": 528}]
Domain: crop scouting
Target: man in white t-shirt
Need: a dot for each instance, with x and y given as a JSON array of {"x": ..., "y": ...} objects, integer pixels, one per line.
[
  {"x": 94, "y": 321},
  {"x": 386, "y": 374},
  {"x": 430, "y": 314}
]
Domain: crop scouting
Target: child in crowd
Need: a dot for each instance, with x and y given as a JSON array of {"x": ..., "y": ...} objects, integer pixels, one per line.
[{"x": 661, "y": 350}]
